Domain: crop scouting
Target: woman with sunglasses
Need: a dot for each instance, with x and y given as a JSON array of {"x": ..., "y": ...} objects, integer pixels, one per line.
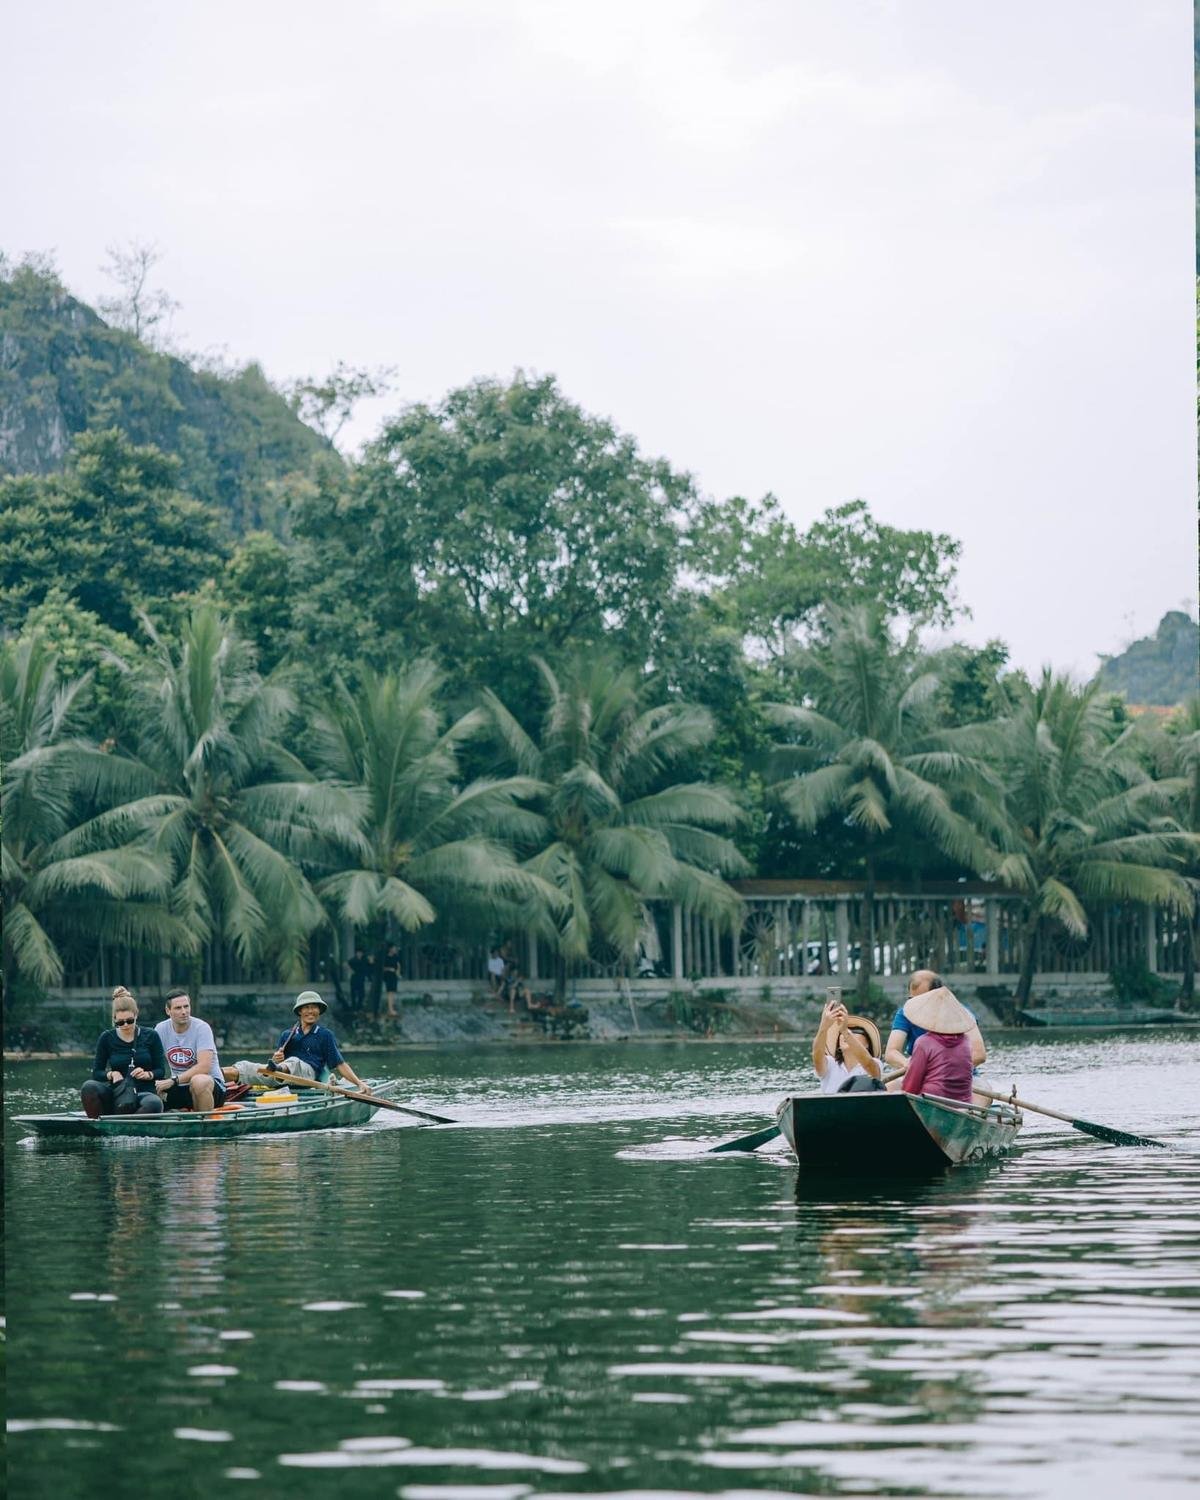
[{"x": 127, "y": 1051}]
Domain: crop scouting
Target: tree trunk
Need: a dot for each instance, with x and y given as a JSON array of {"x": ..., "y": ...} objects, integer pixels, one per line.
[
  {"x": 1188, "y": 988},
  {"x": 560, "y": 979},
  {"x": 866, "y": 958},
  {"x": 1028, "y": 963}
]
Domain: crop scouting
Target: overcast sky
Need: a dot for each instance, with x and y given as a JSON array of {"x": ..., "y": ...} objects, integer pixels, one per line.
[{"x": 937, "y": 254}]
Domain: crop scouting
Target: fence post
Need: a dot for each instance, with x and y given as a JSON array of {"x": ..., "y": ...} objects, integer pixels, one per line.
[
  {"x": 1148, "y": 928},
  {"x": 676, "y": 940},
  {"x": 533, "y": 947},
  {"x": 991, "y": 918},
  {"x": 841, "y": 927}
]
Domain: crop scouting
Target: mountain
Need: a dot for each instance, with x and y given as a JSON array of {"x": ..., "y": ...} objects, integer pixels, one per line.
[
  {"x": 1163, "y": 668},
  {"x": 63, "y": 370}
]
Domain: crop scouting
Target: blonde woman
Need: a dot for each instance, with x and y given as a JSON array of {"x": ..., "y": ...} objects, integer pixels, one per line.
[{"x": 129, "y": 1059}]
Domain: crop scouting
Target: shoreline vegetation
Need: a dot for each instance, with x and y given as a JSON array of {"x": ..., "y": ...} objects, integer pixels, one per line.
[{"x": 502, "y": 675}]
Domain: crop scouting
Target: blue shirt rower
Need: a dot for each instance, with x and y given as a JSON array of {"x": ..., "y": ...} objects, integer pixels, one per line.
[{"x": 306, "y": 1051}]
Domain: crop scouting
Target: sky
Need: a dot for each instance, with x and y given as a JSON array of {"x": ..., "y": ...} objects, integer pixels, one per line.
[{"x": 934, "y": 254}]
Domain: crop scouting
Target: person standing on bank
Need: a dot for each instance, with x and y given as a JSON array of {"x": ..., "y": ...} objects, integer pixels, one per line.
[
  {"x": 306, "y": 1051},
  {"x": 129, "y": 1060},
  {"x": 196, "y": 1081},
  {"x": 905, "y": 1032}
]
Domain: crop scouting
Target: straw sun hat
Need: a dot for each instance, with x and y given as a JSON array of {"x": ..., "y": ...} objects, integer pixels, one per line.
[
  {"x": 860, "y": 1023},
  {"x": 938, "y": 1010}
]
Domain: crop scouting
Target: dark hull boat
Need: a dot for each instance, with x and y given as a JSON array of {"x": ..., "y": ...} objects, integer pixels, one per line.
[
  {"x": 871, "y": 1134},
  {"x": 315, "y": 1111}
]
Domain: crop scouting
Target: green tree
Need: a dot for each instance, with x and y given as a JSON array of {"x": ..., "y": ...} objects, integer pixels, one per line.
[
  {"x": 1085, "y": 825},
  {"x": 425, "y": 846},
  {"x": 70, "y": 873},
  {"x": 259, "y": 588},
  {"x": 113, "y": 531},
  {"x": 614, "y": 831},
  {"x": 1173, "y": 753},
  {"x": 236, "y": 813},
  {"x": 502, "y": 521},
  {"x": 771, "y": 581},
  {"x": 868, "y": 752}
]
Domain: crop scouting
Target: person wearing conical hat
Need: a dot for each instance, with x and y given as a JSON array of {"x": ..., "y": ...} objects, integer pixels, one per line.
[
  {"x": 308, "y": 1050},
  {"x": 904, "y": 1033},
  {"x": 845, "y": 1047},
  {"x": 941, "y": 1056}
]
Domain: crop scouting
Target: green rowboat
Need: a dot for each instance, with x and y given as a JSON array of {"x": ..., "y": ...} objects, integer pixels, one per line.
[
  {"x": 870, "y": 1134},
  {"x": 311, "y": 1111}
]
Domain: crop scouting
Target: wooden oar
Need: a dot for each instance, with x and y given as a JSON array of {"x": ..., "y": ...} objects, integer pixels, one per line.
[
  {"x": 761, "y": 1137},
  {"x": 311, "y": 1083},
  {"x": 1101, "y": 1132}
]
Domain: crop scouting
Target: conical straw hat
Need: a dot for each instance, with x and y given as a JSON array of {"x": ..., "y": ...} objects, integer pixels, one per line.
[{"x": 938, "y": 1010}]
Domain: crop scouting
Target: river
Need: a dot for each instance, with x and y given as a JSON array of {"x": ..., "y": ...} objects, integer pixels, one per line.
[{"x": 565, "y": 1296}]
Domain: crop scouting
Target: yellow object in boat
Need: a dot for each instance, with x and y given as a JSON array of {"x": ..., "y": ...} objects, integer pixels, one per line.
[{"x": 277, "y": 1096}]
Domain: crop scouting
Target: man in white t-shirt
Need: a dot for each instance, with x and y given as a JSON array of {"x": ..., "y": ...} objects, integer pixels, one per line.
[
  {"x": 495, "y": 969},
  {"x": 195, "y": 1081}
]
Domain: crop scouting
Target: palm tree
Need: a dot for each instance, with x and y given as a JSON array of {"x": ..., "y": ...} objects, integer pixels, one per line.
[
  {"x": 69, "y": 870},
  {"x": 614, "y": 833},
  {"x": 425, "y": 846},
  {"x": 870, "y": 751},
  {"x": 1084, "y": 822},
  {"x": 237, "y": 814}
]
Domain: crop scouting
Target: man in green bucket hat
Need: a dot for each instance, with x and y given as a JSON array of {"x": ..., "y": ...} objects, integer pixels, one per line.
[{"x": 308, "y": 1050}]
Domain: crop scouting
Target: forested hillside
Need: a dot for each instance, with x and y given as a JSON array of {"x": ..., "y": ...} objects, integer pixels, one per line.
[
  {"x": 64, "y": 370},
  {"x": 1163, "y": 668}
]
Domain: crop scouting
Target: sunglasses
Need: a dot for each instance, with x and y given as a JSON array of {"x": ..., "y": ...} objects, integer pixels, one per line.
[{"x": 126, "y": 1021}]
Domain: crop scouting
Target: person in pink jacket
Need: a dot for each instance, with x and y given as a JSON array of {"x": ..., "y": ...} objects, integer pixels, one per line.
[{"x": 941, "y": 1059}]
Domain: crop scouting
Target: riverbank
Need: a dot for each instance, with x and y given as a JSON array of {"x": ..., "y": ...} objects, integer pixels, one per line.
[{"x": 453, "y": 1025}]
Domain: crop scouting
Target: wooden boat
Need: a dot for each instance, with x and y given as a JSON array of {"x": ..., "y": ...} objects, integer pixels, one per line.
[
  {"x": 310, "y": 1111},
  {"x": 888, "y": 1133}
]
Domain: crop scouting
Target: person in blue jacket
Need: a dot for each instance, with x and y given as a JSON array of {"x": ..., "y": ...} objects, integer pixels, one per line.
[
  {"x": 308, "y": 1050},
  {"x": 904, "y": 1032}
]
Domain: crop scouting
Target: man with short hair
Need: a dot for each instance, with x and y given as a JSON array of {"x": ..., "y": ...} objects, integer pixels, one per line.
[
  {"x": 195, "y": 1081},
  {"x": 904, "y": 1033}
]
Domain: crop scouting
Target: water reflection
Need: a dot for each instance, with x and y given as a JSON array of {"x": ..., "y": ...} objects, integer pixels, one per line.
[{"x": 545, "y": 1307}]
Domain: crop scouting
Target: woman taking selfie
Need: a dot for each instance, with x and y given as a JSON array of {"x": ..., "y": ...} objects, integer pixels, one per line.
[{"x": 845, "y": 1047}]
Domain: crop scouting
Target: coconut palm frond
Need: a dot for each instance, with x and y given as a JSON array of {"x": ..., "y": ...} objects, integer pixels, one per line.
[
  {"x": 1056, "y": 900},
  {"x": 699, "y": 802},
  {"x": 707, "y": 851},
  {"x": 1111, "y": 880},
  {"x": 33, "y": 952},
  {"x": 866, "y": 806},
  {"x": 519, "y": 745},
  {"x": 812, "y": 798},
  {"x": 405, "y": 905}
]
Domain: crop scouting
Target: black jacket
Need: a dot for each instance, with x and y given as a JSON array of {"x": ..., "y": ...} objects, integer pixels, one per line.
[{"x": 115, "y": 1056}]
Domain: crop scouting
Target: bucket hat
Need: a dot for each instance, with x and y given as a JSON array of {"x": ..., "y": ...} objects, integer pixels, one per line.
[
  {"x": 939, "y": 1010},
  {"x": 310, "y": 997}
]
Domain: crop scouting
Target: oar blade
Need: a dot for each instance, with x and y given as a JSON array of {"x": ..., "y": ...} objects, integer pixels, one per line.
[
  {"x": 748, "y": 1142},
  {"x": 1116, "y": 1137}
]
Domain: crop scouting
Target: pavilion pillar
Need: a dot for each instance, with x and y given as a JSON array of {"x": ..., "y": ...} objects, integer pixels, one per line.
[
  {"x": 991, "y": 909},
  {"x": 841, "y": 927},
  {"x": 676, "y": 940}
]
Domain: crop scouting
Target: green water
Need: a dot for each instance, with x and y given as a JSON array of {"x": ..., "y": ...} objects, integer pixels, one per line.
[{"x": 566, "y": 1296}]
